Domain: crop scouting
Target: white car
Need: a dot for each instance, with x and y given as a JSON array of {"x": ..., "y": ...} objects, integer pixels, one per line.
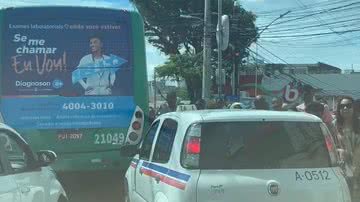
[
  {"x": 226, "y": 156},
  {"x": 25, "y": 177}
]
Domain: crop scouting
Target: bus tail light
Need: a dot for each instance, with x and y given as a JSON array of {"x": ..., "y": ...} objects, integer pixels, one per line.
[
  {"x": 138, "y": 114},
  {"x": 133, "y": 136},
  {"x": 136, "y": 127}
]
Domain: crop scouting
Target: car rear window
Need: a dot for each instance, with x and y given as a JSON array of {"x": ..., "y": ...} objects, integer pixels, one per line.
[{"x": 263, "y": 145}]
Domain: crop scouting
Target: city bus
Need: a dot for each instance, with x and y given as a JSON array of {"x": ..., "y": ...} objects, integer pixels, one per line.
[{"x": 74, "y": 80}]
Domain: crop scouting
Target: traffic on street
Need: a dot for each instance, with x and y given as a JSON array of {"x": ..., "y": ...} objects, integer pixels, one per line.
[{"x": 179, "y": 101}]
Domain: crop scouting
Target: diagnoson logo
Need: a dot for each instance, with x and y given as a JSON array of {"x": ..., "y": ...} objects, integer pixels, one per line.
[
  {"x": 30, "y": 84},
  {"x": 57, "y": 84}
]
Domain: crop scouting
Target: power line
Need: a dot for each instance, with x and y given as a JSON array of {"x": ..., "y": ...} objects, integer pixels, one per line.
[
  {"x": 343, "y": 91},
  {"x": 321, "y": 21},
  {"x": 310, "y": 21},
  {"x": 318, "y": 25},
  {"x": 311, "y": 47},
  {"x": 295, "y": 8},
  {"x": 266, "y": 27},
  {"x": 293, "y": 77},
  {"x": 314, "y": 34},
  {"x": 336, "y": 44},
  {"x": 317, "y": 13},
  {"x": 306, "y": 73},
  {"x": 300, "y": 12},
  {"x": 317, "y": 28}
]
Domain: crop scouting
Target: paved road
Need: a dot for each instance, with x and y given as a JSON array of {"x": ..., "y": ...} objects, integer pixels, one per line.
[
  {"x": 93, "y": 186},
  {"x": 356, "y": 196}
]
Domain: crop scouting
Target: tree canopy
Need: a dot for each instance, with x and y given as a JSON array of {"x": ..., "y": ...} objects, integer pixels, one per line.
[{"x": 176, "y": 27}]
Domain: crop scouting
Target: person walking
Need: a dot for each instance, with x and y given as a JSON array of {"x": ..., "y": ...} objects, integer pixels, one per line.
[{"x": 347, "y": 125}]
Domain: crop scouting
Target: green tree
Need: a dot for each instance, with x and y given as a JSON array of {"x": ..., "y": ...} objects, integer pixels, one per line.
[
  {"x": 167, "y": 29},
  {"x": 182, "y": 93},
  {"x": 185, "y": 67}
]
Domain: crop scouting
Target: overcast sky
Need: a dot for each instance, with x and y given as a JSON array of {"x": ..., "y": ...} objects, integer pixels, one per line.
[{"x": 281, "y": 40}]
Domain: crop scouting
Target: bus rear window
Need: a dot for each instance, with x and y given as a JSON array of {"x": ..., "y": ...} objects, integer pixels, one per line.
[{"x": 262, "y": 145}]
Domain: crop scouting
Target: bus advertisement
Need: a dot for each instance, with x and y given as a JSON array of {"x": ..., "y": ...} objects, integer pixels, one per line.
[{"x": 73, "y": 80}]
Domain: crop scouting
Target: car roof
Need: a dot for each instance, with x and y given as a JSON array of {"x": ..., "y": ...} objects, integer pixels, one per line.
[{"x": 229, "y": 115}]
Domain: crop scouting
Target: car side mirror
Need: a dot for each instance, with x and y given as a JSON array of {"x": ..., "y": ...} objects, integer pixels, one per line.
[
  {"x": 46, "y": 157},
  {"x": 129, "y": 150}
]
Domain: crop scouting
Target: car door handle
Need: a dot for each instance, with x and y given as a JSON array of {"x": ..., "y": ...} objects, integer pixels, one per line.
[
  {"x": 24, "y": 190},
  {"x": 157, "y": 179}
]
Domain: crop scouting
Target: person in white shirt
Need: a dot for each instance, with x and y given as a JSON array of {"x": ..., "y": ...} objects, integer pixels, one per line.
[{"x": 102, "y": 80}]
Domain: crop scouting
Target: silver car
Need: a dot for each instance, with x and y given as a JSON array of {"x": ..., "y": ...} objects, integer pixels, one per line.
[{"x": 25, "y": 176}]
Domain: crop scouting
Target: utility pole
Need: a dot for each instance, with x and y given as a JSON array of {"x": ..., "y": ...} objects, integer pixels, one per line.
[
  {"x": 207, "y": 52},
  {"x": 236, "y": 73},
  {"x": 233, "y": 58},
  {"x": 219, "y": 46},
  {"x": 236, "y": 19},
  {"x": 256, "y": 71}
]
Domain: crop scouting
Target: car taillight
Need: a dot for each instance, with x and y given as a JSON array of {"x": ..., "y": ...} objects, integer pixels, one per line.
[
  {"x": 136, "y": 125},
  {"x": 193, "y": 145}
]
